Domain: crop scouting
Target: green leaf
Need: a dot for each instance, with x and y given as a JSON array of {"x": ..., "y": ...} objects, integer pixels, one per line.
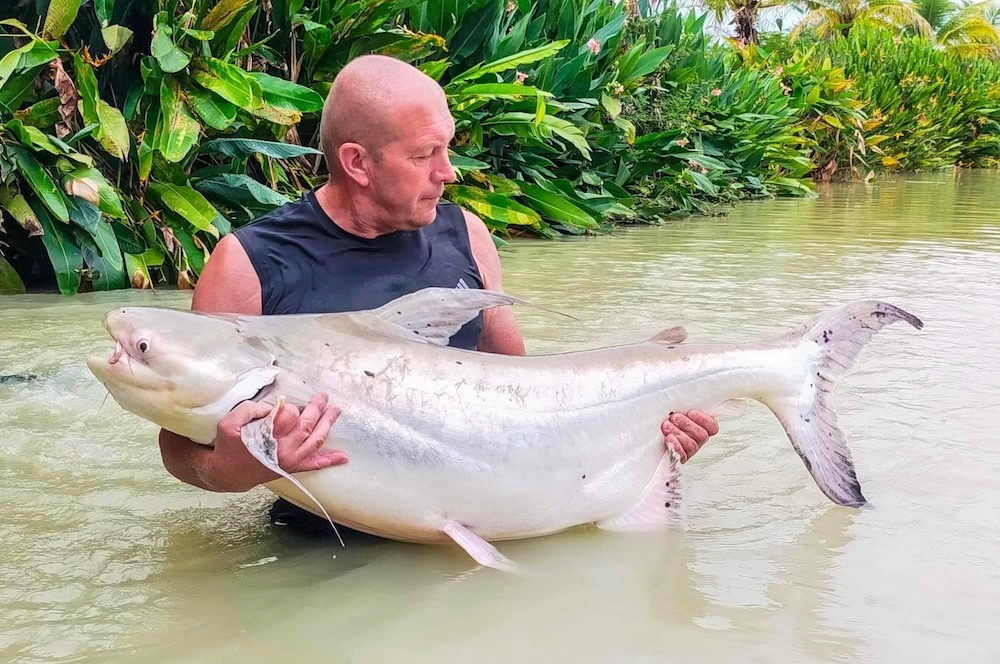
[
  {"x": 463, "y": 163},
  {"x": 497, "y": 91},
  {"x": 40, "y": 182},
  {"x": 550, "y": 123},
  {"x": 435, "y": 68},
  {"x": 649, "y": 62},
  {"x": 64, "y": 254},
  {"x": 241, "y": 188},
  {"x": 104, "y": 9},
  {"x": 91, "y": 185},
  {"x": 107, "y": 262},
  {"x": 512, "y": 62},
  {"x": 33, "y": 137},
  {"x": 179, "y": 132},
  {"x": 246, "y": 147},
  {"x": 86, "y": 85},
  {"x": 18, "y": 208},
  {"x": 612, "y": 105},
  {"x": 138, "y": 271},
  {"x": 188, "y": 203},
  {"x": 26, "y": 57},
  {"x": 223, "y": 13},
  {"x": 10, "y": 283},
  {"x": 229, "y": 82},
  {"x": 489, "y": 205},
  {"x": 170, "y": 57},
  {"x": 287, "y": 95},
  {"x": 44, "y": 113},
  {"x": 60, "y": 16},
  {"x": 557, "y": 207},
  {"x": 115, "y": 37},
  {"x": 281, "y": 116},
  {"x": 200, "y": 35},
  {"x": 833, "y": 121},
  {"x": 215, "y": 111},
  {"x": 113, "y": 136}
]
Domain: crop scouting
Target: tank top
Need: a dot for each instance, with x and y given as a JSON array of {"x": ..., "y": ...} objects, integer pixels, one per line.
[{"x": 306, "y": 263}]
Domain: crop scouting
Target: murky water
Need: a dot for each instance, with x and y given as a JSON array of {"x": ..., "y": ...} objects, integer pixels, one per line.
[{"x": 105, "y": 557}]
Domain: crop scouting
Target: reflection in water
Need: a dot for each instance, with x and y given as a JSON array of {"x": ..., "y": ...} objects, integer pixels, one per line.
[{"x": 107, "y": 557}]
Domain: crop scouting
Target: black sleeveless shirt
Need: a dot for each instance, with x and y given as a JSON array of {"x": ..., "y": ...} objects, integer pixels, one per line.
[{"x": 306, "y": 263}]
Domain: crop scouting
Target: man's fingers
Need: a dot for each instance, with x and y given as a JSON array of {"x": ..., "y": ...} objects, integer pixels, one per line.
[
  {"x": 706, "y": 421},
  {"x": 286, "y": 420},
  {"x": 676, "y": 444},
  {"x": 321, "y": 460},
  {"x": 693, "y": 429},
  {"x": 319, "y": 432},
  {"x": 244, "y": 413},
  {"x": 312, "y": 412}
]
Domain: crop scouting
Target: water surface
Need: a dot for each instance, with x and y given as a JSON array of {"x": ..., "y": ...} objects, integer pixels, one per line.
[{"x": 105, "y": 557}]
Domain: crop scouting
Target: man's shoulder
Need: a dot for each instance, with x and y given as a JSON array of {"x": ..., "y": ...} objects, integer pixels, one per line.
[{"x": 301, "y": 208}]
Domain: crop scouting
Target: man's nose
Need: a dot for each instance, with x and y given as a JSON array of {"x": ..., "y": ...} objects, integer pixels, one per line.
[{"x": 445, "y": 172}]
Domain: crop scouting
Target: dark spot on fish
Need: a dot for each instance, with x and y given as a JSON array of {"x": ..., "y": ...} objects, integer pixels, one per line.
[
  {"x": 457, "y": 362},
  {"x": 807, "y": 419},
  {"x": 584, "y": 477},
  {"x": 327, "y": 345},
  {"x": 428, "y": 324},
  {"x": 671, "y": 347},
  {"x": 416, "y": 331},
  {"x": 399, "y": 313},
  {"x": 667, "y": 484},
  {"x": 369, "y": 374},
  {"x": 808, "y": 465},
  {"x": 667, "y": 504}
]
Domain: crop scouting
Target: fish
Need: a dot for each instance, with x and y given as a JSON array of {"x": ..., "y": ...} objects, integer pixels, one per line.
[{"x": 448, "y": 445}]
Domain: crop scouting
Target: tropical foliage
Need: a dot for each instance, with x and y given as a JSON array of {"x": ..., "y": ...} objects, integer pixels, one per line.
[{"x": 134, "y": 135}]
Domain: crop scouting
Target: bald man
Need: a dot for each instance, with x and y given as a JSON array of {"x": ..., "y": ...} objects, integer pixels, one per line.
[{"x": 376, "y": 230}]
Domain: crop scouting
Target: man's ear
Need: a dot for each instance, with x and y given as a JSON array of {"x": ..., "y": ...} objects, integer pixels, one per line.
[{"x": 356, "y": 162}]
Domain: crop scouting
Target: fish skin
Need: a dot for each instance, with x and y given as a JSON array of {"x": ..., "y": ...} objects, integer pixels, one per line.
[{"x": 512, "y": 447}]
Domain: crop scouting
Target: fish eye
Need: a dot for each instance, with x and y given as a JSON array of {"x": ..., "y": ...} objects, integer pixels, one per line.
[{"x": 143, "y": 345}]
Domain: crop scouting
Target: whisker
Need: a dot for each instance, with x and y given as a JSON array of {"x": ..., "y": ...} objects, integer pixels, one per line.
[{"x": 104, "y": 401}]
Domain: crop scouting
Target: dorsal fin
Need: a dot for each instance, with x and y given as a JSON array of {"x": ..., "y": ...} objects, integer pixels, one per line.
[
  {"x": 435, "y": 315},
  {"x": 671, "y": 335}
]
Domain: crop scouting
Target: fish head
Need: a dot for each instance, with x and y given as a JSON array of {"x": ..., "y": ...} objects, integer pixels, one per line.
[{"x": 179, "y": 369}]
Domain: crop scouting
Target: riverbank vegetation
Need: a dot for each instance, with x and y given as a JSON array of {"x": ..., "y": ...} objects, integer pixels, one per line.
[{"x": 133, "y": 135}]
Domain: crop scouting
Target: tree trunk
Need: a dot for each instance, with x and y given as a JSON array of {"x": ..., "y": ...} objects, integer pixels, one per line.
[{"x": 745, "y": 21}]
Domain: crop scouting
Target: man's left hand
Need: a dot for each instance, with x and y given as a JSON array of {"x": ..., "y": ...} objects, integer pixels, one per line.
[{"x": 687, "y": 432}]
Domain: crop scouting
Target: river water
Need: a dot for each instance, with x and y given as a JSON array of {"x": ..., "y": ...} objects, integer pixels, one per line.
[{"x": 105, "y": 557}]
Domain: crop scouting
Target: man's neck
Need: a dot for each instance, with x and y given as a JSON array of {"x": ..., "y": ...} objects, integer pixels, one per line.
[{"x": 339, "y": 205}]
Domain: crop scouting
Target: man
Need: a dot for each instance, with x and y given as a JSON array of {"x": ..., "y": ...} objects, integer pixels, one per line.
[{"x": 375, "y": 231}]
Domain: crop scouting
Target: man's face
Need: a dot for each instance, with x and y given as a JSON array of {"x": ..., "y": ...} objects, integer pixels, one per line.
[{"x": 410, "y": 172}]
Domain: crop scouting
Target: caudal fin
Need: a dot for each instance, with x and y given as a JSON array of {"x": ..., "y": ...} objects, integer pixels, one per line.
[{"x": 834, "y": 340}]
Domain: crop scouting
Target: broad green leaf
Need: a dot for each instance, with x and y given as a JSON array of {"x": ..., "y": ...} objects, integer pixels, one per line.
[
  {"x": 229, "y": 82},
  {"x": 113, "y": 136},
  {"x": 86, "y": 85},
  {"x": 512, "y": 62},
  {"x": 10, "y": 282},
  {"x": 188, "y": 203},
  {"x": 170, "y": 56},
  {"x": 40, "y": 182},
  {"x": 435, "y": 68},
  {"x": 214, "y": 110},
  {"x": 195, "y": 255},
  {"x": 246, "y": 147},
  {"x": 18, "y": 208},
  {"x": 277, "y": 115},
  {"x": 200, "y": 35},
  {"x": 90, "y": 185},
  {"x": 497, "y": 207},
  {"x": 287, "y": 95},
  {"x": 138, "y": 271},
  {"x": 179, "y": 132},
  {"x": 833, "y": 121},
  {"x": 648, "y": 62},
  {"x": 107, "y": 262},
  {"x": 556, "y": 207},
  {"x": 463, "y": 163},
  {"x": 223, "y": 13},
  {"x": 497, "y": 91},
  {"x": 64, "y": 254},
  {"x": 242, "y": 189},
  {"x": 60, "y": 16},
  {"x": 33, "y": 137},
  {"x": 44, "y": 113},
  {"x": 612, "y": 105},
  {"x": 562, "y": 128},
  {"x": 104, "y": 8},
  {"x": 28, "y": 56},
  {"x": 115, "y": 37}
]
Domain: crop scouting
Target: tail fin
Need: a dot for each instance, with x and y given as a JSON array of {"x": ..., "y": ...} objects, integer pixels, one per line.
[{"x": 835, "y": 339}]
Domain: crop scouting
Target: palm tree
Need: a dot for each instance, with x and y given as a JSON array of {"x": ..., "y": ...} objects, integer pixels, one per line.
[
  {"x": 745, "y": 13},
  {"x": 833, "y": 16},
  {"x": 966, "y": 29}
]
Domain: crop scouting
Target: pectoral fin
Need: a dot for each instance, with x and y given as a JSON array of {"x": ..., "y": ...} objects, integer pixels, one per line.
[
  {"x": 258, "y": 437},
  {"x": 481, "y": 551},
  {"x": 671, "y": 335},
  {"x": 659, "y": 503}
]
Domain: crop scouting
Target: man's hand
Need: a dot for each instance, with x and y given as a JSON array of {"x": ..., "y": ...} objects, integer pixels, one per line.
[
  {"x": 687, "y": 432},
  {"x": 299, "y": 436}
]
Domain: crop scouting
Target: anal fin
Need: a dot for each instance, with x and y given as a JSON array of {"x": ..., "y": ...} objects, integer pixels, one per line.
[
  {"x": 479, "y": 549},
  {"x": 659, "y": 504}
]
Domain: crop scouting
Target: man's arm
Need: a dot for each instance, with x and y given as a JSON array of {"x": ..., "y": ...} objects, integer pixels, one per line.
[
  {"x": 687, "y": 432},
  {"x": 229, "y": 284},
  {"x": 501, "y": 333}
]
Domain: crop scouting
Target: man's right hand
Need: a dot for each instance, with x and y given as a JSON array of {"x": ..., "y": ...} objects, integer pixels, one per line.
[{"x": 231, "y": 467}]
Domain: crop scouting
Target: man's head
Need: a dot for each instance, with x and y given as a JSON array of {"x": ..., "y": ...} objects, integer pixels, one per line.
[{"x": 385, "y": 132}]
